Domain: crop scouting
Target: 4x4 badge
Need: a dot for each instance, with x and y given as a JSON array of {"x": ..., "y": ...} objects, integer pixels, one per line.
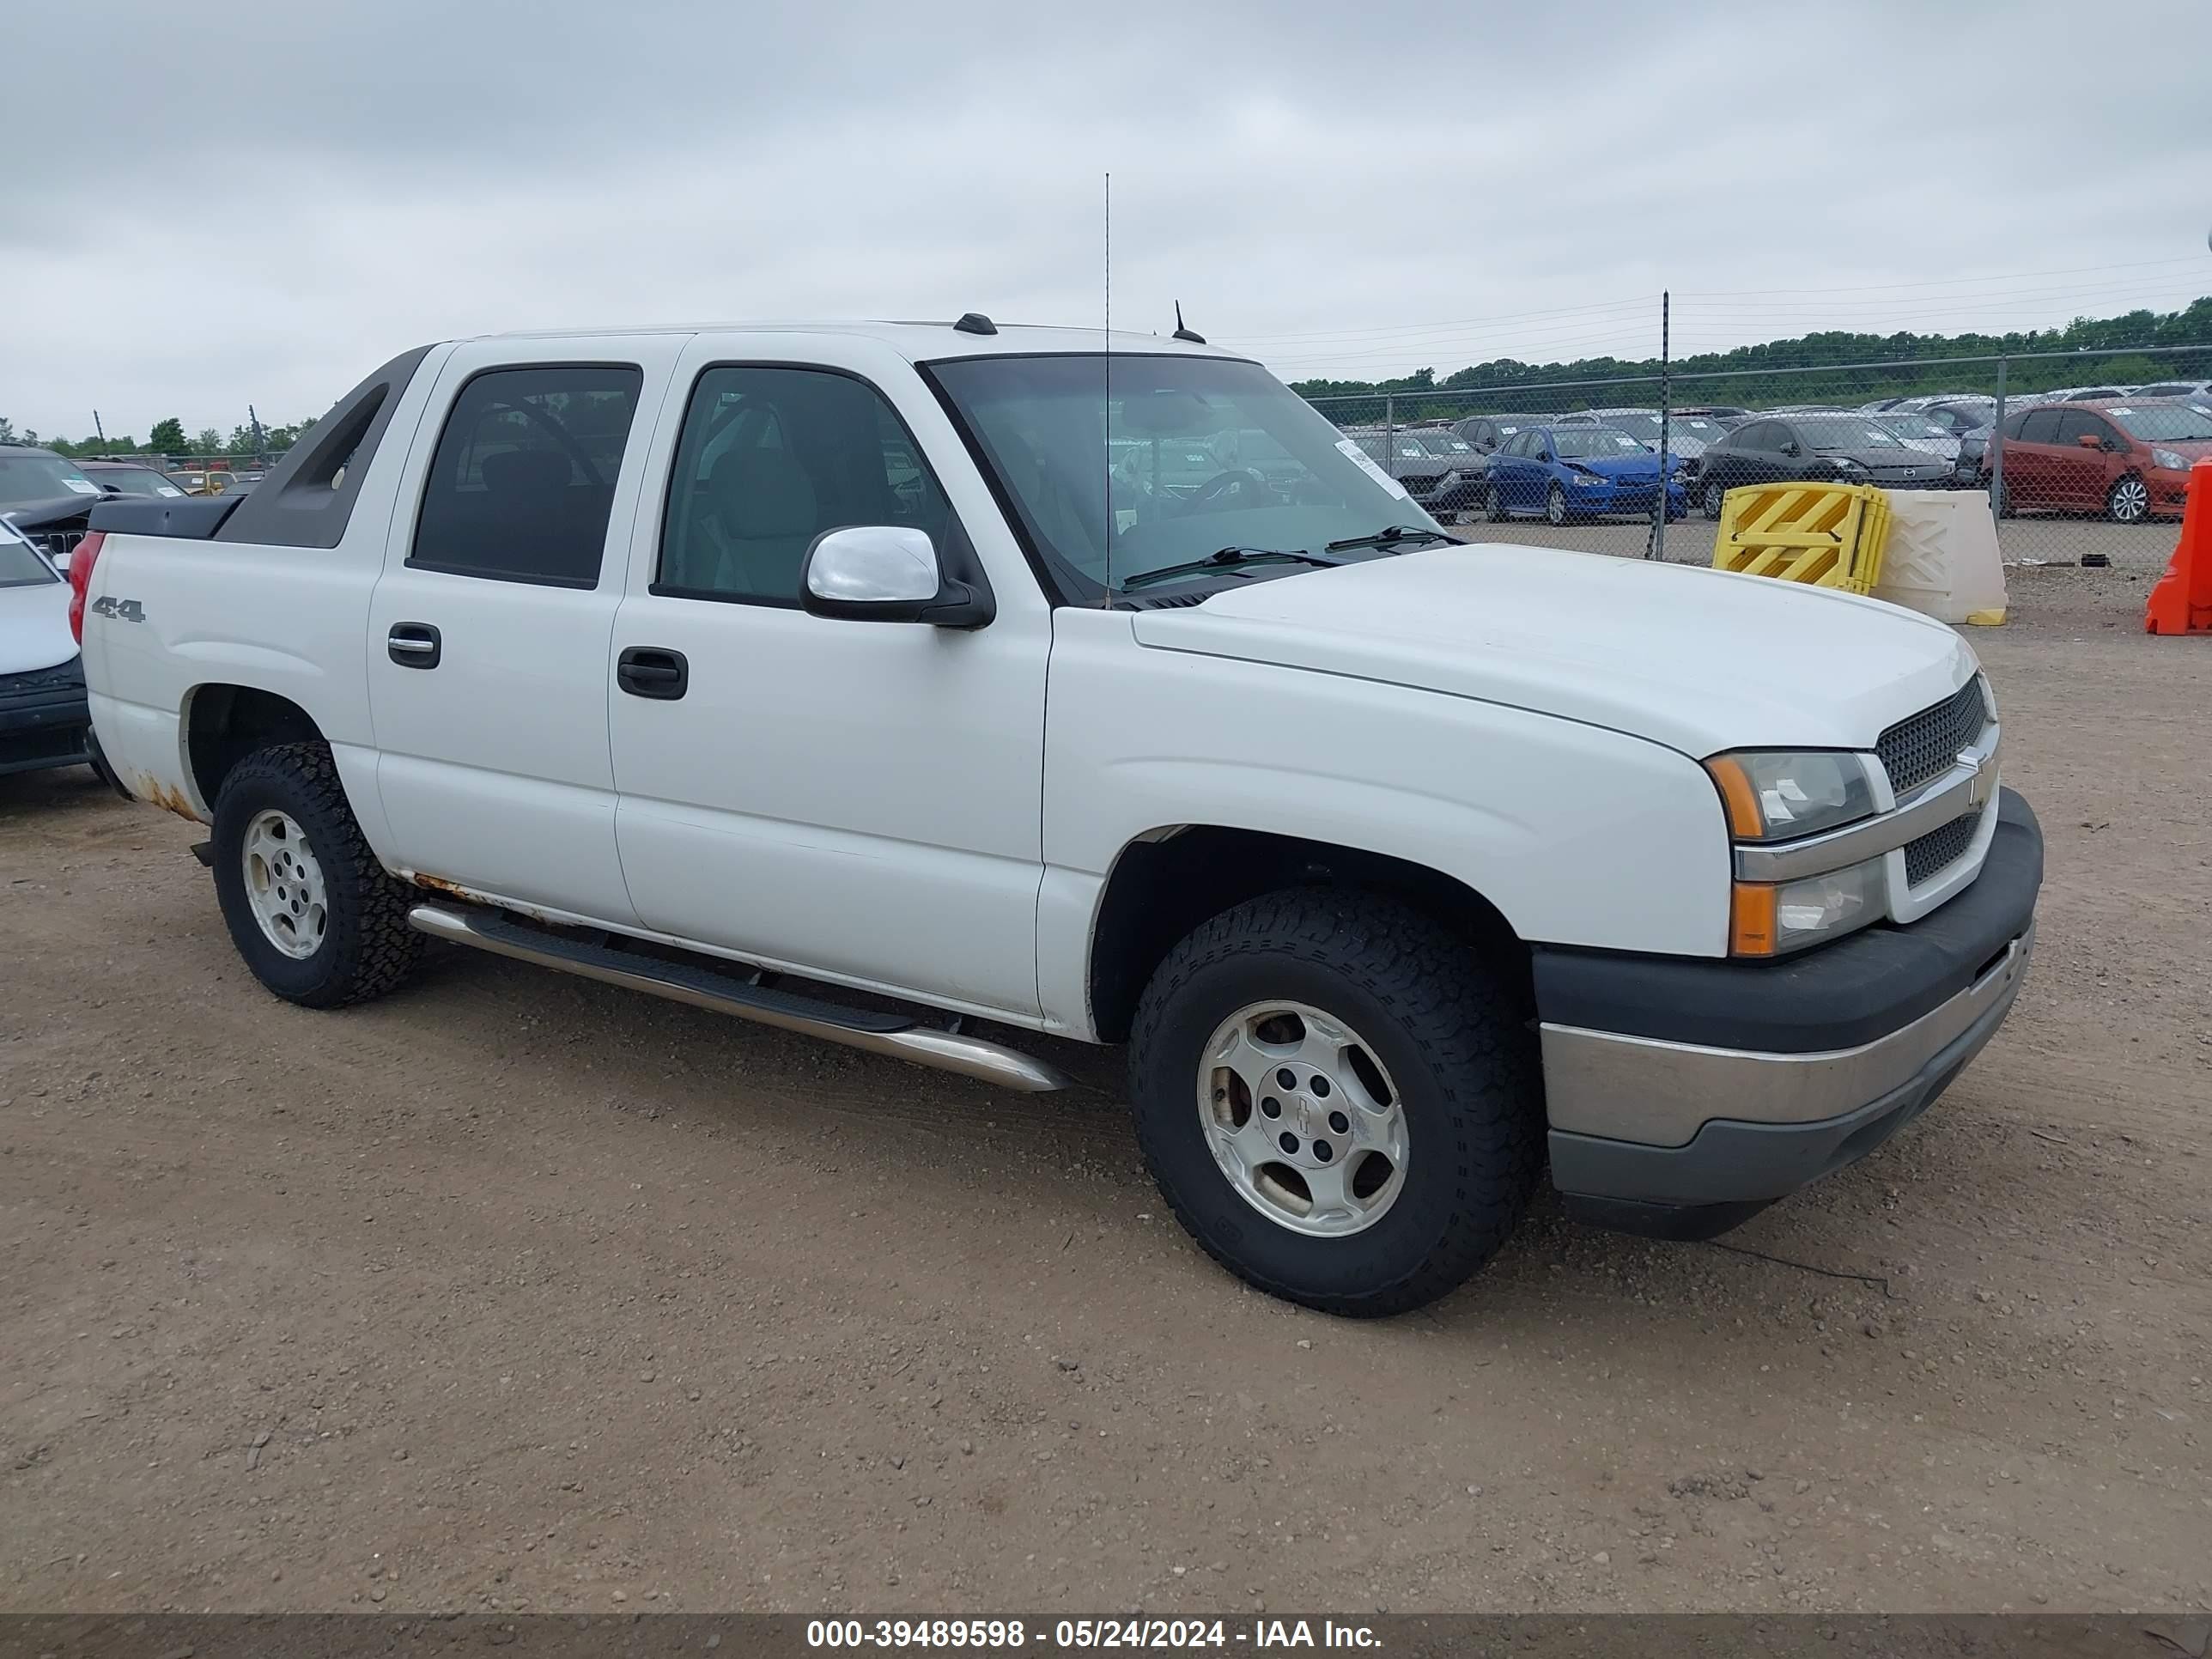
[{"x": 121, "y": 610}]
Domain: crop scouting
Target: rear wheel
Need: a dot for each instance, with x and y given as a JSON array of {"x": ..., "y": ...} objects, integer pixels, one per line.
[
  {"x": 1338, "y": 1098},
  {"x": 2129, "y": 501},
  {"x": 1494, "y": 505},
  {"x": 309, "y": 906}
]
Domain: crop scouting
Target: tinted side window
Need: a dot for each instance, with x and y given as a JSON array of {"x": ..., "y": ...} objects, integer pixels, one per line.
[
  {"x": 768, "y": 459},
  {"x": 523, "y": 475},
  {"x": 2075, "y": 425},
  {"x": 2039, "y": 426}
]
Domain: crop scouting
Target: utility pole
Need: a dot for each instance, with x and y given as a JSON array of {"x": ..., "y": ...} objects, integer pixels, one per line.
[
  {"x": 99, "y": 429},
  {"x": 1657, "y": 550},
  {"x": 1996, "y": 449},
  {"x": 260, "y": 445}
]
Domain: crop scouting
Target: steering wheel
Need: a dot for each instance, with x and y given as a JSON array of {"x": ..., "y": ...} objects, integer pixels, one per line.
[{"x": 1239, "y": 481}]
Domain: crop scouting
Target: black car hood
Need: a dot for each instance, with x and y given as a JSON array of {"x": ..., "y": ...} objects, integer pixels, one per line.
[
  {"x": 1887, "y": 460},
  {"x": 42, "y": 515}
]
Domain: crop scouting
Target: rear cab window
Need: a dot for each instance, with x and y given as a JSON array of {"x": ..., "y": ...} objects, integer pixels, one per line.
[{"x": 522, "y": 482}]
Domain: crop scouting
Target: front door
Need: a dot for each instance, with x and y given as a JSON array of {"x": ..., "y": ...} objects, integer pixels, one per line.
[
  {"x": 489, "y": 628},
  {"x": 859, "y": 800},
  {"x": 2086, "y": 464}
]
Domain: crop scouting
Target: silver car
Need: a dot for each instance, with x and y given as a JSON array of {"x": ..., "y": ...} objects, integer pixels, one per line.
[{"x": 1930, "y": 437}]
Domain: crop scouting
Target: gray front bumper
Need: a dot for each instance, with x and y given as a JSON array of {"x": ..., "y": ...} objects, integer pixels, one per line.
[
  {"x": 1741, "y": 1162},
  {"x": 1686, "y": 1094}
]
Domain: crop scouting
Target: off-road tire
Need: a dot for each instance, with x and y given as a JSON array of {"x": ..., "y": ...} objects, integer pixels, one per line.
[
  {"x": 367, "y": 948},
  {"x": 1452, "y": 1028}
]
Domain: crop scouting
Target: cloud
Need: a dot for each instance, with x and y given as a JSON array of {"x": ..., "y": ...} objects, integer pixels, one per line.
[{"x": 258, "y": 214}]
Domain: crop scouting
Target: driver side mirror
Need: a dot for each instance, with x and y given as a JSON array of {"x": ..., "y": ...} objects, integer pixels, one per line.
[{"x": 888, "y": 572}]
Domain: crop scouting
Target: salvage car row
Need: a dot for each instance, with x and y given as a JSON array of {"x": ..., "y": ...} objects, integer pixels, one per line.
[{"x": 2092, "y": 451}]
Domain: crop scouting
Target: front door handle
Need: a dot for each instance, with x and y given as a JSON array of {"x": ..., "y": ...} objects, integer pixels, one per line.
[
  {"x": 652, "y": 670},
  {"x": 413, "y": 644}
]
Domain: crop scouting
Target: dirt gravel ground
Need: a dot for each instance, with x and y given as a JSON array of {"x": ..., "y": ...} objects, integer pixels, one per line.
[{"x": 519, "y": 1292}]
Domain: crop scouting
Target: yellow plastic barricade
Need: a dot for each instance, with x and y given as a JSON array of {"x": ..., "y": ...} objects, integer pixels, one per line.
[{"x": 1828, "y": 534}]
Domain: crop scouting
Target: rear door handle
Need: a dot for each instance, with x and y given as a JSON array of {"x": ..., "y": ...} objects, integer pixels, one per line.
[
  {"x": 413, "y": 644},
  {"x": 652, "y": 670}
]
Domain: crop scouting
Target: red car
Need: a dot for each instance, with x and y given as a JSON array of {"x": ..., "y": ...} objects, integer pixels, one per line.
[{"x": 2123, "y": 459}]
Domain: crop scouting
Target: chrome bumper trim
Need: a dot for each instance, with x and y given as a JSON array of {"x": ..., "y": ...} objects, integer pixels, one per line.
[
  {"x": 1966, "y": 787},
  {"x": 1661, "y": 1093}
]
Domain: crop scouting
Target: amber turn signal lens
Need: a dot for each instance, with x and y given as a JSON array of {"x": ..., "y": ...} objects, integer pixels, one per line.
[
  {"x": 1751, "y": 919},
  {"x": 1745, "y": 821}
]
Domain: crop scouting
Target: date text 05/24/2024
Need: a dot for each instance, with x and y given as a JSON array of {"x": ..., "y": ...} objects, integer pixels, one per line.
[{"x": 989, "y": 1635}]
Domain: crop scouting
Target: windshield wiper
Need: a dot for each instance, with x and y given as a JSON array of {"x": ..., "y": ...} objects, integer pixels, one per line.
[
  {"x": 1221, "y": 557},
  {"x": 1389, "y": 536}
]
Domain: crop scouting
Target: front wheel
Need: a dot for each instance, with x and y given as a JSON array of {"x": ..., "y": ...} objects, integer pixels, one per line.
[
  {"x": 1339, "y": 1099},
  {"x": 2129, "y": 501},
  {"x": 1555, "y": 506},
  {"x": 309, "y": 906},
  {"x": 1713, "y": 500}
]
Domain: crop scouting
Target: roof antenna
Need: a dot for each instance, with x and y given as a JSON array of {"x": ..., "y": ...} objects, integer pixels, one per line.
[
  {"x": 1106, "y": 396},
  {"x": 1182, "y": 333}
]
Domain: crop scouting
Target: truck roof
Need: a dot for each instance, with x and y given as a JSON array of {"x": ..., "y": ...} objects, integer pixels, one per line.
[{"x": 920, "y": 340}]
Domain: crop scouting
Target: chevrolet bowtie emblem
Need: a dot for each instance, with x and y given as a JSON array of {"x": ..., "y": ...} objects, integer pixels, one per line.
[{"x": 1977, "y": 788}]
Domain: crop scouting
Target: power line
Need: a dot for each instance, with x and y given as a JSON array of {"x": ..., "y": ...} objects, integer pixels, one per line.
[{"x": 1943, "y": 282}]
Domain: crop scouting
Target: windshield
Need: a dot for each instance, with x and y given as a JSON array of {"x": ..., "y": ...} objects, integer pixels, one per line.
[
  {"x": 1848, "y": 434},
  {"x": 1601, "y": 441},
  {"x": 138, "y": 481},
  {"x": 27, "y": 476},
  {"x": 2176, "y": 423},
  {"x": 19, "y": 567},
  {"x": 1445, "y": 443},
  {"x": 1642, "y": 423},
  {"x": 2177, "y": 389},
  {"x": 1082, "y": 442}
]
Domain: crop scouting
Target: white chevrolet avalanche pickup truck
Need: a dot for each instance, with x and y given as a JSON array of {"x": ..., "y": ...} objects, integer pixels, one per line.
[{"x": 872, "y": 681}]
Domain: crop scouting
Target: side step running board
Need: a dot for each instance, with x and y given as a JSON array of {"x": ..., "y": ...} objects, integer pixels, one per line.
[{"x": 895, "y": 1035}]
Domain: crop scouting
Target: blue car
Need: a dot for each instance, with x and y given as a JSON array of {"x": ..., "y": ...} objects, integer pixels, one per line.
[{"x": 1562, "y": 472}]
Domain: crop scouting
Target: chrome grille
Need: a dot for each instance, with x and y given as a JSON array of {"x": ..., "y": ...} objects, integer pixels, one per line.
[
  {"x": 1939, "y": 849},
  {"x": 56, "y": 544},
  {"x": 1927, "y": 746}
]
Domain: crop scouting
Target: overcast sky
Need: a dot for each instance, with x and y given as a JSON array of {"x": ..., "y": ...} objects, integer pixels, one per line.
[{"x": 261, "y": 206}]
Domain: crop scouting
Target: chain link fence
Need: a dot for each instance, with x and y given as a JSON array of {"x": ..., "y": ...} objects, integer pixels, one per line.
[{"x": 2084, "y": 455}]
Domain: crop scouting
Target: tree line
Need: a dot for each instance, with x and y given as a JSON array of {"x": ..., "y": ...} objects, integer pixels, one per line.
[
  {"x": 168, "y": 437},
  {"x": 2103, "y": 344}
]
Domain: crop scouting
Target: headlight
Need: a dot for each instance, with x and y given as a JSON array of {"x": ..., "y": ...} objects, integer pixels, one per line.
[
  {"x": 1844, "y": 463},
  {"x": 1586, "y": 479},
  {"x": 1776, "y": 797},
  {"x": 1772, "y": 919},
  {"x": 2167, "y": 457}
]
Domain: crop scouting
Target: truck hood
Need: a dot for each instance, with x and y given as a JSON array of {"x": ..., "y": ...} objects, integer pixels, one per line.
[
  {"x": 1700, "y": 660},
  {"x": 34, "y": 630}
]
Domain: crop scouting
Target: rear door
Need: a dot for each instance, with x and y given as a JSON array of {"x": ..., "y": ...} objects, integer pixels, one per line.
[
  {"x": 489, "y": 628},
  {"x": 2031, "y": 475}
]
